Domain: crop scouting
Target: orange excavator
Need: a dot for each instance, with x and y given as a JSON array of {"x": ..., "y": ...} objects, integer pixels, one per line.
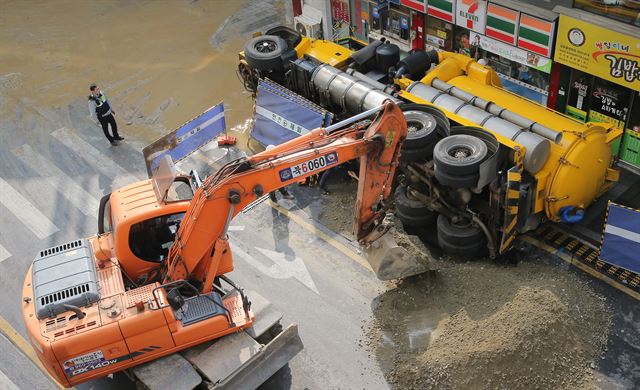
[{"x": 149, "y": 293}]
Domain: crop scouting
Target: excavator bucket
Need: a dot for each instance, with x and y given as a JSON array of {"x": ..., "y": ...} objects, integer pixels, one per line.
[{"x": 392, "y": 261}]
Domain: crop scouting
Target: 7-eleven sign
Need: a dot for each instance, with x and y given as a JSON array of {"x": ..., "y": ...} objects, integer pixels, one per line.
[{"x": 472, "y": 14}]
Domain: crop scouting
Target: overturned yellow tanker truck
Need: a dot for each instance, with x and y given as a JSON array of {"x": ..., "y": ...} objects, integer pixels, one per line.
[{"x": 479, "y": 162}]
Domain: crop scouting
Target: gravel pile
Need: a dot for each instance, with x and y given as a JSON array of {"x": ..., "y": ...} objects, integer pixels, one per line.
[{"x": 479, "y": 325}]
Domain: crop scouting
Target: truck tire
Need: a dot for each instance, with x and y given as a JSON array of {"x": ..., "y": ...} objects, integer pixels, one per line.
[
  {"x": 411, "y": 212},
  {"x": 416, "y": 220},
  {"x": 460, "y": 240},
  {"x": 459, "y": 154},
  {"x": 264, "y": 52},
  {"x": 457, "y": 181},
  {"x": 407, "y": 205},
  {"x": 412, "y": 155},
  {"x": 468, "y": 251},
  {"x": 421, "y": 129}
]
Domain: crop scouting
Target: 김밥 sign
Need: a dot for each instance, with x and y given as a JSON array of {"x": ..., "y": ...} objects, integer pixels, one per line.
[{"x": 598, "y": 51}]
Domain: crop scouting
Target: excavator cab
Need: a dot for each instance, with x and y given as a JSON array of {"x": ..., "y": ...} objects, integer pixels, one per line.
[{"x": 141, "y": 221}]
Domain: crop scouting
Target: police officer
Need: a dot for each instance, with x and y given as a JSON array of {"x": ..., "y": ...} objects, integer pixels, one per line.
[{"x": 100, "y": 110}]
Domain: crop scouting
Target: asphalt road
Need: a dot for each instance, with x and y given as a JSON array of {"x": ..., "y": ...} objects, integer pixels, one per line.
[
  {"x": 50, "y": 188},
  {"x": 55, "y": 165}
]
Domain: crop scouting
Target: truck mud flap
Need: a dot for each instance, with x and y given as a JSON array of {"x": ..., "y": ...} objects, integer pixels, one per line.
[{"x": 239, "y": 362}]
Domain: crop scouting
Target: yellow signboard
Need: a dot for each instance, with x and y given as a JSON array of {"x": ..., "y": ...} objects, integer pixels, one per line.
[{"x": 598, "y": 51}]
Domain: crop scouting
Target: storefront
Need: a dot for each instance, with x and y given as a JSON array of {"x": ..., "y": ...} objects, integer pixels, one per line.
[
  {"x": 514, "y": 38},
  {"x": 392, "y": 21},
  {"x": 600, "y": 75}
]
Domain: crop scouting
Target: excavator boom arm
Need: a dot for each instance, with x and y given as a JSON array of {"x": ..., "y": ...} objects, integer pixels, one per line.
[{"x": 201, "y": 240}]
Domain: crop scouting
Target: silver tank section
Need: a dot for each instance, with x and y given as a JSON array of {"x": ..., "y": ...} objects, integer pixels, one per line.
[
  {"x": 496, "y": 110},
  {"x": 537, "y": 147},
  {"x": 347, "y": 92}
]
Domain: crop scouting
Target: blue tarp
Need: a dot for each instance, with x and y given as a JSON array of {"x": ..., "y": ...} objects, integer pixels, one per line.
[
  {"x": 621, "y": 240},
  {"x": 281, "y": 115},
  {"x": 186, "y": 139}
]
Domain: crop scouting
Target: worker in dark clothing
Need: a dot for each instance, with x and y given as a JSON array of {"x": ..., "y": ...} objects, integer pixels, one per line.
[
  {"x": 285, "y": 194},
  {"x": 346, "y": 169},
  {"x": 100, "y": 110}
]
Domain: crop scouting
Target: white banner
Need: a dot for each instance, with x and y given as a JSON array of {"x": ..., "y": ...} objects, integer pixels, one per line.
[{"x": 513, "y": 53}]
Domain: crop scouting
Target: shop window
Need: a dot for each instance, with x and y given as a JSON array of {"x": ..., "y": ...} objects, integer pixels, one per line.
[
  {"x": 397, "y": 25},
  {"x": 150, "y": 240},
  {"x": 377, "y": 17},
  {"x": 463, "y": 44},
  {"x": 627, "y": 11},
  {"x": 439, "y": 34},
  {"x": 630, "y": 149},
  {"x": 579, "y": 94},
  {"x": 609, "y": 103}
]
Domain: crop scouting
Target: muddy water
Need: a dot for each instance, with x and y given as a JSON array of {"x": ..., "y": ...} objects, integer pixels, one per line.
[{"x": 153, "y": 58}]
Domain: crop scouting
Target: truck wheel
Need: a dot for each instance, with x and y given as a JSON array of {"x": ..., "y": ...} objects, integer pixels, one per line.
[
  {"x": 457, "y": 181},
  {"x": 406, "y": 204},
  {"x": 412, "y": 155},
  {"x": 459, "y": 154},
  {"x": 416, "y": 220},
  {"x": 461, "y": 240},
  {"x": 411, "y": 212},
  {"x": 421, "y": 129},
  {"x": 264, "y": 52},
  {"x": 469, "y": 251}
]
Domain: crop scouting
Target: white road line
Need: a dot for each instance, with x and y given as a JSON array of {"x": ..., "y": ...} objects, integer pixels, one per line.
[
  {"x": 103, "y": 163},
  {"x": 65, "y": 185},
  {"x": 30, "y": 216},
  {"x": 6, "y": 383},
  {"x": 4, "y": 254}
]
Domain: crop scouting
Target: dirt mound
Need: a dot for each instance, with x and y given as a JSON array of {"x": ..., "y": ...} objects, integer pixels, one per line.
[
  {"x": 479, "y": 325},
  {"x": 512, "y": 347}
]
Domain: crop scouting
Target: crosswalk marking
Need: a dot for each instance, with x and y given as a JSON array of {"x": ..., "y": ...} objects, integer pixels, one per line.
[
  {"x": 75, "y": 194},
  {"x": 4, "y": 254},
  {"x": 6, "y": 383},
  {"x": 32, "y": 218},
  {"x": 104, "y": 164}
]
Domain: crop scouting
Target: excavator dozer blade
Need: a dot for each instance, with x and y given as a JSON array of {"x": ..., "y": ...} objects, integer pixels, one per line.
[
  {"x": 265, "y": 362},
  {"x": 391, "y": 261}
]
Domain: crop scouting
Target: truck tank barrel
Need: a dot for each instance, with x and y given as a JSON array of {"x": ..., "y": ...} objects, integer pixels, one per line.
[
  {"x": 537, "y": 147},
  {"x": 369, "y": 80},
  {"x": 346, "y": 91},
  {"x": 493, "y": 108}
]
